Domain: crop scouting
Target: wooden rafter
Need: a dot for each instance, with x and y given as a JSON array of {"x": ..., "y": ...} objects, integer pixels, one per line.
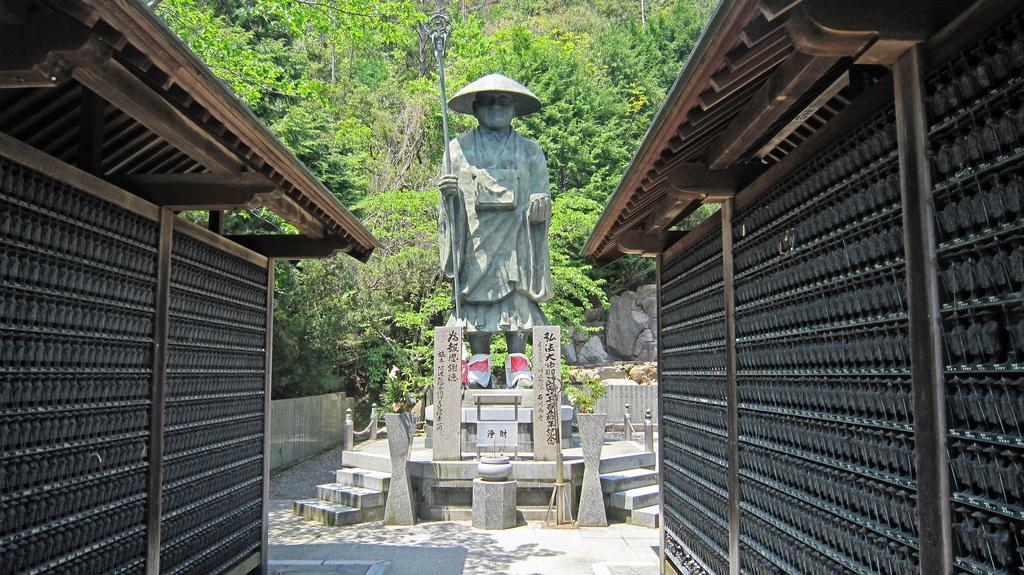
[
  {"x": 242, "y": 191},
  {"x": 789, "y": 81},
  {"x": 123, "y": 89},
  {"x": 809, "y": 110},
  {"x": 294, "y": 247}
]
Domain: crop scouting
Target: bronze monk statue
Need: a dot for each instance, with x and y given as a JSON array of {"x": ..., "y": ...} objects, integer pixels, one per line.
[{"x": 501, "y": 200}]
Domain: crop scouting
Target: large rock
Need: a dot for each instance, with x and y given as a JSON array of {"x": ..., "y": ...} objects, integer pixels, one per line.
[
  {"x": 644, "y": 373},
  {"x": 626, "y": 323},
  {"x": 647, "y": 298},
  {"x": 592, "y": 352},
  {"x": 594, "y": 315},
  {"x": 614, "y": 371},
  {"x": 569, "y": 354},
  {"x": 646, "y": 346}
]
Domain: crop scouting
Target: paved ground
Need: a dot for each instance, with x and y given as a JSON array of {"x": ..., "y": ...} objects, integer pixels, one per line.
[
  {"x": 454, "y": 547},
  {"x": 302, "y": 547}
]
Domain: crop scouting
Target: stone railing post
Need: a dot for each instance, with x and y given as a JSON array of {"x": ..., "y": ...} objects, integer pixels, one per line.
[
  {"x": 349, "y": 432},
  {"x": 627, "y": 425},
  {"x": 648, "y": 431}
]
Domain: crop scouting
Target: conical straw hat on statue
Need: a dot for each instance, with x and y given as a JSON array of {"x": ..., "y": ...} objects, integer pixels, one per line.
[{"x": 524, "y": 101}]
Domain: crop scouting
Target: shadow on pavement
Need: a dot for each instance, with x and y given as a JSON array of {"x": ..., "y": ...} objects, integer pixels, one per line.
[{"x": 426, "y": 549}]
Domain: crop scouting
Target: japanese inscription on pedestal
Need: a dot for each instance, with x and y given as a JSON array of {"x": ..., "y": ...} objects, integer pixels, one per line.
[
  {"x": 547, "y": 391},
  {"x": 447, "y": 393}
]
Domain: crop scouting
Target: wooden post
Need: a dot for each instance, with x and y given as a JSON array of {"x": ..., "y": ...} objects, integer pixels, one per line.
[
  {"x": 732, "y": 410},
  {"x": 267, "y": 381},
  {"x": 919, "y": 244},
  {"x": 158, "y": 389}
]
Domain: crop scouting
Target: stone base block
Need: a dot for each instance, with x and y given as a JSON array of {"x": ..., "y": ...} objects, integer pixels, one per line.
[{"x": 494, "y": 504}]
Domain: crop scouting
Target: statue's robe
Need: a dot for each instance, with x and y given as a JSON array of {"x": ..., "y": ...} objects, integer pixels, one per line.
[{"x": 503, "y": 259}]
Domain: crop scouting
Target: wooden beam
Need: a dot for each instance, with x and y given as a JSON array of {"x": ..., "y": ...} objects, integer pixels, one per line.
[
  {"x": 647, "y": 245},
  {"x": 743, "y": 62},
  {"x": 90, "y": 132},
  {"x": 38, "y": 54},
  {"x": 686, "y": 187},
  {"x": 855, "y": 115},
  {"x": 44, "y": 163},
  {"x": 294, "y": 247},
  {"x": 788, "y": 83},
  {"x": 179, "y": 69},
  {"x": 701, "y": 193},
  {"x": 809, "y": 110},
  {"x": 772, "y": 9},
  {"x": 873, "y": 31},
  {"x": 296, "y": 215},
  {"x": 126, "y": 91},
  {"x": 242, "y": 191},
  {"x": 670, "y": 211}
]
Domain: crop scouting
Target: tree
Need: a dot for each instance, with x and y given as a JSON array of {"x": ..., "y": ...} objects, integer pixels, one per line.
[{"x": 350, "y": 87}]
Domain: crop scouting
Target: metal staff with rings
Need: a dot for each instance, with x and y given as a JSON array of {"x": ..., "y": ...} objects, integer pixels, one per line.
[{"x": 439, "y": 28}]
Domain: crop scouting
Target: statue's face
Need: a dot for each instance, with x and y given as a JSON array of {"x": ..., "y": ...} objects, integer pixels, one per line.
[{"x": 494, "y": 111}]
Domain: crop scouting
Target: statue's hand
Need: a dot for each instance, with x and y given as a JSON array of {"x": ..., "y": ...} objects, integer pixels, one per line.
[
  {"x": 540, "y": 208},
  {"x": 449, "y": 185}
]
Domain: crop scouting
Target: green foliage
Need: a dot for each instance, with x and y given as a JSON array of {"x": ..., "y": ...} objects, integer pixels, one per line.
[
  {"x": 351, "y": 88},
  {"x": 584, "y": 396}
]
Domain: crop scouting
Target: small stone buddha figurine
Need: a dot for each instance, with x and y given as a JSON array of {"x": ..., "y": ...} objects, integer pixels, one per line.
[{"x": 502, "y": 207}]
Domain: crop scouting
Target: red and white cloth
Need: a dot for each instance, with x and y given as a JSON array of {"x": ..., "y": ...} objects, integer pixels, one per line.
[
  {"x": 478, "y": 370},
  {"x": 517, "y": 370}
]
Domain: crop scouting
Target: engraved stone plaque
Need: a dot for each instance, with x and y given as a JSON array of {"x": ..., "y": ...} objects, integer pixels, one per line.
[
  {"x": 447, "y": 394},
  {"x": 547, "y": 391}
]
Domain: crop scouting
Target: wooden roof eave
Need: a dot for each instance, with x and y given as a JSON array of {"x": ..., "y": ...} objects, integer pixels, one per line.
[
  {"x": 726, "y": 24},
  {"x": 144, "y": 30}
]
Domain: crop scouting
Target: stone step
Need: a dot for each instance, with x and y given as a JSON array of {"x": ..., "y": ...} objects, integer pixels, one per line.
[
  {"x": 359, "y": 497},
  {"x": 366, "y": 460},
  {"x": 358, "y": 477},
  {"x": 335, "y": 513},
  {"x": 613, "y": 463},
  {"x": 636, "y": 498},
  {"x": 646, "y": 516},
  {"x": 450, "y": 513},
  {"x": 628, "y": 479}
]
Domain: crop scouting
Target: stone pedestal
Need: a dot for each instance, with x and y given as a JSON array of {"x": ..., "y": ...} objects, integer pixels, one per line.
[
  {"x": 592, "y": 512},
  {"x": 494, "y": 504},
  {"x": 398, "y": 509}
]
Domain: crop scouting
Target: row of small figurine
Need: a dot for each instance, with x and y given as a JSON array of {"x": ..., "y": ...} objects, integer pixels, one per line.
[
  {"x": 877, "y": 398},
  {"x": 874, "y": 348},
  {"x": 869, "y": 449},
  {"x": 42, "y": 234},
  {"x": 75, "y": 206},
  {"x": 61, "y": 277},
  {"x": 867, "y": 249},
  {"x": 882, "y": 297},
  {"x": 847, "y": 159}
]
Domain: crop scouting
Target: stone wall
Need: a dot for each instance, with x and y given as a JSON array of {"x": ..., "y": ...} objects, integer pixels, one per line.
[
  {"x": 304, "y": 426},
  {"x": 627, "y": 331},
  {"x": 639, "y": 397}
]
